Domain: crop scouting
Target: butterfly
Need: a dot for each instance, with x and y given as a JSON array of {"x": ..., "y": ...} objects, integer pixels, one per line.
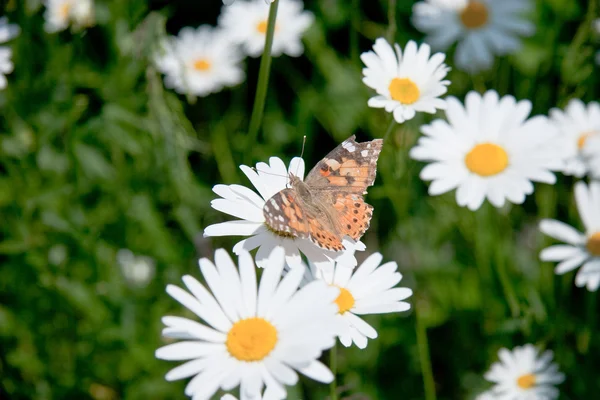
[{"x": 328, "y": 205}]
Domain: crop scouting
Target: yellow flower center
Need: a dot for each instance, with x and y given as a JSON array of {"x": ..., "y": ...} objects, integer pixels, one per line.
[
  {"x": 262, "y": 27},
  {"x": 593, "y": 244},
  {"x": 64, "y": 10},
  {"x": 345, "y": 301},
  {"x": 201, "y": 65},
  {"x": 404, "y": 90},
  {"x": 526, "y": 381},
  {"x": 474, "y": 15},
  {"x": 583, "y": 138},
  {"x": 251, "y": 339},
  {"x": 486, "y": 159}
]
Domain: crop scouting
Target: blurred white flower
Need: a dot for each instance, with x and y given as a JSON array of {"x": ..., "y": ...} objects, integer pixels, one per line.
[
  {"x": 580, "y": 248},
  {"x": 243, "y": 203},
  {"x": 200, "y": 61},
  {"x": 482, "y": 28},
  {"x": 406, "y": 83},
  {"x": 254, "y": 336},
  {"x": 578, "y": 124},
  {"x": 488, "y": 149},
  {"x": 370, "y": 289},
  {"x": 245, "y": 22},
  {"x": 230, "y": 2},
  {"x": 61, "y": 13},
  {"x": 138, "y": 271},
  {"x": 522, "y": 374},
  {"x": 7, "y": 32}
]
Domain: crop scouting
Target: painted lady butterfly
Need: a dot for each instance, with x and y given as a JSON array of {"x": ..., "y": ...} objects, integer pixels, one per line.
[{"x": 328, "y": 205}]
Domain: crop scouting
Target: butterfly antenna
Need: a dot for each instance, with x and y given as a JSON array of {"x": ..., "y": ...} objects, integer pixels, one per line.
[
  {"x": 301, "y": 154},
  {"x": 265, "y": 172}
]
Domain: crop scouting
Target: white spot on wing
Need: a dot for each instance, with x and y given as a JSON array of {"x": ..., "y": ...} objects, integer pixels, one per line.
[
  {"x": 364, "y": 153},
  {"x": 349, "y": 146},
  {"x": 274, "y": 203}
]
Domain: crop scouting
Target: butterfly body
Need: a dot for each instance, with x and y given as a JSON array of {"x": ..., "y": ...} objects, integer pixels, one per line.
[{"x": 328, "y": 205}]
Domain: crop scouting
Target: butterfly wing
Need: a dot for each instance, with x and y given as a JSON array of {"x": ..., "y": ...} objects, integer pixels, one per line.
[
  {"x": 287, "y": 215},
  {"x": 350, "y": 167}
]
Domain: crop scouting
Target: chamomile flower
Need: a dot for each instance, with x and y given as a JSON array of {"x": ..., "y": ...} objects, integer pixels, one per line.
[
  {"x": 370, "y": 289},
  {"x": 488, "y": 149},
  {"x": 251, "y": 336},
  {"x": 62, "y": 13},
  {"x": 580, "y": 248},
  {"x": 523, "y": 374},
  {"x": 246, "y": 23},
  {"x": 577, "y": 124},
  {"x": 200, "y": 61},
  {"x": 7, "y": 32},
  {"x": 406, "y": 82},
  {"x": 482, "y": 28},
  {"x": 242, "y": 202}
]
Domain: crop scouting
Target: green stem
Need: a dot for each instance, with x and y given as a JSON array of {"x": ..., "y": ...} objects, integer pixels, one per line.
[
  {"x": 391, "y": 30},
  {"x": 333, "y": 368},
  {"x": 424, "y": 358},
  {"x": 263, "y": 78},
  {"x": 389, "y": 129}
]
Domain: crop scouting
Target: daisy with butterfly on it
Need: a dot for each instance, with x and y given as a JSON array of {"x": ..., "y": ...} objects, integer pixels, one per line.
[{"x": 322, "y": 216}]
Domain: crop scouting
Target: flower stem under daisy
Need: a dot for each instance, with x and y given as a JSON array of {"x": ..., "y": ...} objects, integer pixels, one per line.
[
  {"x": 391, "y": 30},
  {"x": 424, "y": 358},
  {"x": 389, "y": 129},
  {"x": 263, "y": 77},
  {"x": 333, "y": 368}
]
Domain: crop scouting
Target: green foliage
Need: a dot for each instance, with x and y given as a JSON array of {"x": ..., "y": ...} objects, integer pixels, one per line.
[{"x": 95, "y": 156}]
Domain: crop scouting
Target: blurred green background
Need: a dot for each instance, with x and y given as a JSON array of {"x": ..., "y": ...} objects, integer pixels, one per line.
[{"x": 96, "y": 156}]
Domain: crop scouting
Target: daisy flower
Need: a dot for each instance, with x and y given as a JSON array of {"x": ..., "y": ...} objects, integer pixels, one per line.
[
  {"x": 370, "y": 289},
  {"x": 524, "y": 375},
  {"x": 246, "y": 24},
  {"x": 252, "y": 336},
  {"x": 60, "y": 13},
  {"x": 577, "y": 125},
  {"x": 406, "y": 83},
  {"x": 488, "y": 149},
  {"x": 482, "y": 28},
  {"x": 243, "y": 203},
  {"x": 200, "y": 61},
  {"x": 580, "y": 248},
  {"x": 7, "y": 32}
]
